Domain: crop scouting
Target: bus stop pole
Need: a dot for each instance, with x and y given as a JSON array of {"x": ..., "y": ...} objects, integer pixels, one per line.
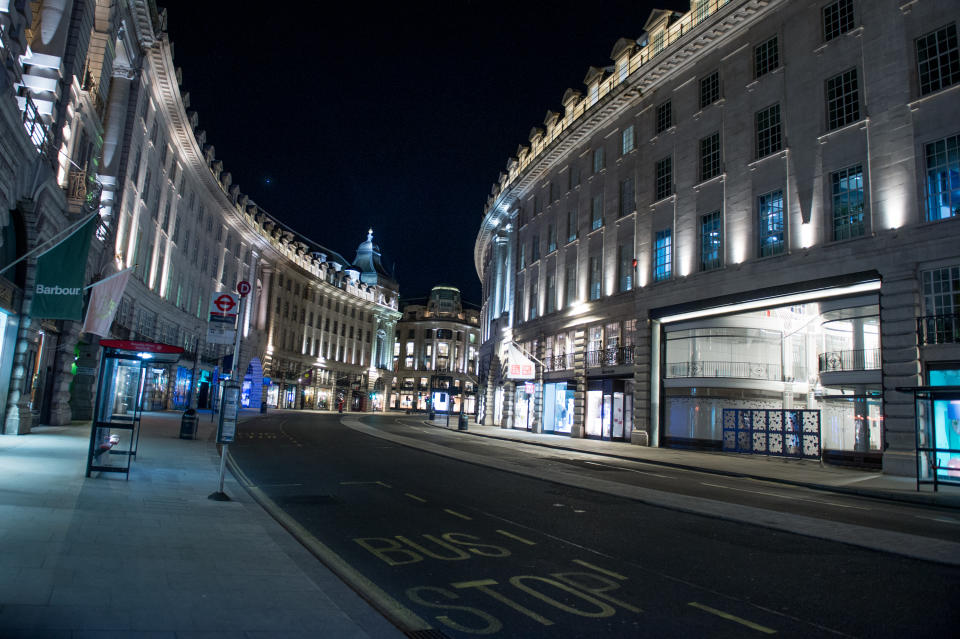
[{"x": 235, "y": 374}]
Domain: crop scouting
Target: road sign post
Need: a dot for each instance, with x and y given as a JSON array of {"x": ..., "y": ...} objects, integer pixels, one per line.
[{"x": 230, "y": 400}]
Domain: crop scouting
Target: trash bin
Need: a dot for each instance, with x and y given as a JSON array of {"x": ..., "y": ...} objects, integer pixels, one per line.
[
  {"x": 263, "y": 407},
  {"x": 431, "y": 415},
  {"x": 462, "y": 424},
  {"x": 188, "y": 424}
]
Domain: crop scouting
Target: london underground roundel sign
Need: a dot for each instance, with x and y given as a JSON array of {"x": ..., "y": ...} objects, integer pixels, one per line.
[{"x": 243, "y": 287}]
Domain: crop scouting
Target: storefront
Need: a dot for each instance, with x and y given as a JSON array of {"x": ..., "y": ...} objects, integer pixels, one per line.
[
  {"x": 524, "y": 406},
  {"x": 809, "y": 361},
  {"x": 558, "y": 407},
  {"x": 609, "y": 409},
  {"x": 181, "y": 387}
]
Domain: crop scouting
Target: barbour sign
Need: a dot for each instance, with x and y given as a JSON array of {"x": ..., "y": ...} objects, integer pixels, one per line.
[{"x": 61, "y": 274}]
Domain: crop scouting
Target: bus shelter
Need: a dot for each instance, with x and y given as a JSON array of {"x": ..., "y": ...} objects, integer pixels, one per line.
[
  {"x": 115, "y": 431},
  {"x": 938, "y": 434}
]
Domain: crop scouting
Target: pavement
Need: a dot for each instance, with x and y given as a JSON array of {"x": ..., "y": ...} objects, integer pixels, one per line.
[
  {"x": 152, "y": 556},
  {"x": 794, "y": 472}
]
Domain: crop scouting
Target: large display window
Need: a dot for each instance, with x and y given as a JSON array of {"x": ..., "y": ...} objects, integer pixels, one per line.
[{"x": 558, "y": 408}]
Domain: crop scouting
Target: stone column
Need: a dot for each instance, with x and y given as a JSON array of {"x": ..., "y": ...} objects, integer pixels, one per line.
[
  {"x": 60, "y": 410},
  {"x": 580, "y": 382},
  {"x": 509, "y": 397},
  {"x": 642, "y": 354},
  {"x": 18, "y": 418},
  {"x": 899, "y": 305}
]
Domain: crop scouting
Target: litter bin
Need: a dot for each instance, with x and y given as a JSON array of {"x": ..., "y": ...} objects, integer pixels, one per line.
[
  {"x": 462, "y": 423},
  {"x": 431, "y": 415},
  {"x": 263, "y": 407},
  {"x": 188, "y": 424}
]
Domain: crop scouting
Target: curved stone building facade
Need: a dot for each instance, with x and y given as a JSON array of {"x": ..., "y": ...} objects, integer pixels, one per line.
[
  {"x": 94, "y": 115},
  {"x": 741, "y": 236}
]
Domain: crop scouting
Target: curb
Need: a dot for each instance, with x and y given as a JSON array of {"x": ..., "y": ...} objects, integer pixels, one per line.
[{"x": 922, "y": 499}]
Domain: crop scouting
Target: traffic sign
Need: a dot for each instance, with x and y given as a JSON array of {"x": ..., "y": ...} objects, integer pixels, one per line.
[
  {"x": 224, "y": 304},
  {"x": 244, "y": 288}
]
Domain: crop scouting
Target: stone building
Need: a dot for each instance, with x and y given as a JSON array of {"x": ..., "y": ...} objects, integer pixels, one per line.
[
  {"x": 94, "y": 116},
  {"x": 436, "y": 355},
  {"x": 742, "y": 236}
]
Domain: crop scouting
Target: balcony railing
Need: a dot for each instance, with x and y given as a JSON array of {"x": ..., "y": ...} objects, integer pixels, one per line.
[
  {"x": 938, "y": 329},
  {"x": 620, "y": 356},
  {"x": 732, "y": 370},
  {"x": 561, "y": 362},
  {"x": 860, "y": 360}
]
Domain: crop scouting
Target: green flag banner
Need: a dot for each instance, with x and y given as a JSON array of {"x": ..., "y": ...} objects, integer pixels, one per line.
[{"x": 61, "y": 273}]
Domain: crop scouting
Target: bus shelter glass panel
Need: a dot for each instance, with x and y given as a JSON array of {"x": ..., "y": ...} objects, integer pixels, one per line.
[
  {"x": 938, "y": 436},
  {"x": 117, "y": 414}
]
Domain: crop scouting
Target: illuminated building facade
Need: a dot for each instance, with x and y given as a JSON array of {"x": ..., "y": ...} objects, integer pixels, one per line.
[
  {"x": 94, "y": 115},
  {"x": 742, "y": 236},
  {"x": 436, "y": 354}
]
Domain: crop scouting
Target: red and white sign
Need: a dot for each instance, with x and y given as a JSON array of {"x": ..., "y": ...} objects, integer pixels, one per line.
[
  {"x": 221, "y": 329},
  {"x": 519, "y": 366},
  {"x": 244, "y": 288},
  {"x": 224, "y": 306}
]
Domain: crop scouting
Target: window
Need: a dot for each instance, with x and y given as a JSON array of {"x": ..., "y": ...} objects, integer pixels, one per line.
[
  {"x": 663, "y": 255},
  {"x": 624, "y": 267},
  {"x": 768, "y": 131},
  {"x": 770, "y": 209},
  {"x": 941, "y": 291},
  {"x": 599, "y": 162},
  {"x": 534, "y": 248},
  {"x": 523, "y": 255},
  {"x": 709, "y": 89},
  {"x": 570, "y": 283},
  {"x": 847, "y": 199},
  {"x": 626, "y": 140},
  {"x": 627, "y": 200},
  {"x": 596, "y": 273},
  {"x": 571, "y": 226},
  {"x": 658, "y": 42},
  {"x": 710, "y": 241},
  {"x": 551, "y": 238},
  {"x": 551, "y": 293},
  {"x": 573, "y": 177},
  {"x": 843, "y": 100},
  {"x": 766, "y": 57},
  {"x": 938, "y": 60},
  {"x": 710, "y": 156},
  {"x": 664, "y": 116},
  {"x": 943, "y": 178},
  {"x": 145, "y": 191},
  {"x": 664, "y": 178},
  {"x": 596, "y": 212},
  {"x": 837, "y": 19},
  {"x": 537, "y": 205}
]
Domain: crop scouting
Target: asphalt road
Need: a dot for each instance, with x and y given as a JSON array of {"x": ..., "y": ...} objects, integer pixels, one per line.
[{"x": 477, "y": 551}]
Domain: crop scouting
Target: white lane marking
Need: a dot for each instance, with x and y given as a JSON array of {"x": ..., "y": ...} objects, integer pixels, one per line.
[
  {"x": 629, "y": 470},
  {"x": 760, "y": 492},
  {"x": 857, "y": 480},
  {"x": 944, "y": 520}
]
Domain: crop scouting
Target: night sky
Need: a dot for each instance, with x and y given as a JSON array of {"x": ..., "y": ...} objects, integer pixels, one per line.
[{"x": 398, "y": 118}]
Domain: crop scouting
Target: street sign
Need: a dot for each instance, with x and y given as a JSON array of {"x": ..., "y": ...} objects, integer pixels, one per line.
[
  {"x": 223, "y": 318},
  {"x": 224, "y": 304},
  {"x": 244, "y": 288}
]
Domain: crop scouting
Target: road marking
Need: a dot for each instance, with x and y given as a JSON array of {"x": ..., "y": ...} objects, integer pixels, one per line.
[
  {"x": 940, "y": 519},
  {"x": 729, "y": 617},
  {"x": 517, "y": 537},
  {"x": 415, "y": 498},
  {"x": 456, "y": 514},
  {"x": 629, "y": 470},
  {"x": 384, "y": 484},
  {"x": 609, "y": 573},
  {"x": 760, "y": 492},
  {"x": 364, "y": 483}
]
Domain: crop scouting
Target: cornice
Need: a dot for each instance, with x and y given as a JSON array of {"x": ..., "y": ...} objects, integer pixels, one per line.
[{"x": 729, "y": 20}]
